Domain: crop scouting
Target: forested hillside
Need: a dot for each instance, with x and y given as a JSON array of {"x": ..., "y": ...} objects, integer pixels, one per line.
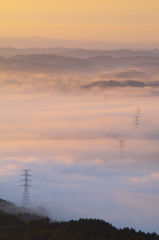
[
  {"x": 11, "y": 227},
  {"x": 31, "y": 226}
]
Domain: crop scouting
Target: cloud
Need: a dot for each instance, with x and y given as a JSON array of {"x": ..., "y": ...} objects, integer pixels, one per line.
[
  {"x": 132, "y": 73},
  {"x": 75, "y": 83},
  {"x": 113, "y": 83},
  {"x": 137, "y": 180},
  {"x": 155, "y": 175}
]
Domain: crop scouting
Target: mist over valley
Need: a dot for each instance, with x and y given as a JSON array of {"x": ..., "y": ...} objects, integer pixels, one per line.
[{"x": 64, "y": 115}]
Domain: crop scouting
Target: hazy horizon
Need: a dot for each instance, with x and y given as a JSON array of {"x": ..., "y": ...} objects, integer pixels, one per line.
[{"x": 41, "y": 42}]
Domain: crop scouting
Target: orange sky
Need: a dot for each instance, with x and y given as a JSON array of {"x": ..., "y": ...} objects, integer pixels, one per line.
[{"x": 117, "y": 20}]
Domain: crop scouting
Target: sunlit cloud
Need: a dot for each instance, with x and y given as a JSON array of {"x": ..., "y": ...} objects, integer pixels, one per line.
[
  {"x": 137, "y": 180},
  {"x": 155, "y": 175}
]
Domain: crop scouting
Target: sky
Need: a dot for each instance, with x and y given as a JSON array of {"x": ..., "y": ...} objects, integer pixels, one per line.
[{"x": 122, "y": 21}]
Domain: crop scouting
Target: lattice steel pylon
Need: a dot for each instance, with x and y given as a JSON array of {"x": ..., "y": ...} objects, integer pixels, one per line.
[
  {"x": 136, "y": 121},
  {"x": 26, "y": 198},
  {"x": 138, "y": 112},
  {"x": 121, "y": 145}
]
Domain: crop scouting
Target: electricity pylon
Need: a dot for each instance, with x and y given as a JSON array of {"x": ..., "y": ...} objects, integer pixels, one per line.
[
  {"x": 136, "y": 121},
  {"x": 26, "y": 197},
  {"x": 105, "y": 95},
  {"x": 121, "y": 145},
  {"x": 138, "y": 111}
]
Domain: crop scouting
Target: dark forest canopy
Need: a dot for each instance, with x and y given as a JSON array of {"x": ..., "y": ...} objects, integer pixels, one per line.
[
  {"x": 30, "y": 226},
  {"x": 11, "y": 227}
]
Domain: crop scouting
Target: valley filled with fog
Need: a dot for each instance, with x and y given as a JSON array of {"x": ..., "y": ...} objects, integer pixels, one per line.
[{"x": 63, "y": 115}]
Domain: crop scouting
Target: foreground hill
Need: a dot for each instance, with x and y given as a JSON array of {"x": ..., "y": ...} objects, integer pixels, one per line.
[{"x": 11, "y": 227}]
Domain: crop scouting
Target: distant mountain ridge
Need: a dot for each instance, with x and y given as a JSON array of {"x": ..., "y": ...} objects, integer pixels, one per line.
[
  {"x": 65, "y": 63},
  {"x": 27, "y": 42},
  {"x": 79, "y": 52}
]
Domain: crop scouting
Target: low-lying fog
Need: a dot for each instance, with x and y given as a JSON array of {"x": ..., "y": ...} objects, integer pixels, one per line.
[{"x": 66, "y": 126}]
